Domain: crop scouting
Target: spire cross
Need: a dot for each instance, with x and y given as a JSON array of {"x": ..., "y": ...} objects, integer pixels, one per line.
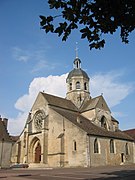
[{"x": 76, "y": 50}]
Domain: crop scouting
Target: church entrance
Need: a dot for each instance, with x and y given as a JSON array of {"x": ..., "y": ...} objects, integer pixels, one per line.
[{"x": 38, "y": 153}]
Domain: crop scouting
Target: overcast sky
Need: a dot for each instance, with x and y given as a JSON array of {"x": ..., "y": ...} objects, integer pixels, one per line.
[{"x": 32, "y": 61}]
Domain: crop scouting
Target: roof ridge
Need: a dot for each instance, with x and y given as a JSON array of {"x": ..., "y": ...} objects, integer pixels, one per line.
[{"x": 59, "y": 101}]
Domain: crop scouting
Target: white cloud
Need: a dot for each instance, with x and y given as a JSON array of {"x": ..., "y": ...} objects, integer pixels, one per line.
[
  {"x": 52, "y": 84},
  {"x": 36, "y": 54},
  {"x": 42, "y": 64},
  {"x": 16, "y": 125},
  {"x": 21, "y": 55},
  {"x": 108, "y": 84},
  {"x": 113, "y": 90}
]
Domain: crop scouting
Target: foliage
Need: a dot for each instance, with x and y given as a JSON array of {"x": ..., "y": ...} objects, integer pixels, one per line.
[{"x": 93, "y": 18}]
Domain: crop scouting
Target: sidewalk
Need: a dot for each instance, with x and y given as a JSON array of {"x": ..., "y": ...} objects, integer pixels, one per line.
[{"x": 123, "y": 172}]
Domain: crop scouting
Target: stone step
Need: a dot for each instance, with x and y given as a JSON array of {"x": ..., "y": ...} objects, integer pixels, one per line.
[{"x": 38, "y": 166}]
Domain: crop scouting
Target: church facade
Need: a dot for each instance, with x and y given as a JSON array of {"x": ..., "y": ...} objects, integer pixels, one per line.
[{"x": 76, "y": 131}]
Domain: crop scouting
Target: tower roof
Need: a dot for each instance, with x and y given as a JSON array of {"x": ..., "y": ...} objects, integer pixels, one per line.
[{"x": 77, "y": 72}]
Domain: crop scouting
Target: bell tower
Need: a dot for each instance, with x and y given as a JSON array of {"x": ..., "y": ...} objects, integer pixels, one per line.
[{"x": 77, "y": 84}]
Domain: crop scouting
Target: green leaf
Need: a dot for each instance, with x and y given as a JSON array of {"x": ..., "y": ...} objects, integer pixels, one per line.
[
  {"x": 43, "y": 22},
  {"x": 49, "y": 19}
]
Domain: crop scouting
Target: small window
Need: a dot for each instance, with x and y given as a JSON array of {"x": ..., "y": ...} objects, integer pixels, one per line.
[
  {"x": 85, "y": 86},
  {"x": 111, "y": 146},
  {"x": 96, "y": 147},
  {"x": 24, "y": 140},
  {"x": 74, "y": 146},
  {"x": 103, "y": 123},
  {"x": 77, "y": 64},
  {"x": 77, "y": 85},
  {"x": 70, "y": 86},
  {"x": 126, "y": 149}
]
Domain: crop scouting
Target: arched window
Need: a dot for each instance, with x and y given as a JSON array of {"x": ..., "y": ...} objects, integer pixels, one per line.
[
  {"x": 126, "y": 149},
  {"x": 85, "y": 86},
  {"x": 74, "y": 146},
  {"x": 77, "y": 85},
  {"x": 70, "y": 86},
  {"x": 111, "y": 146},
  {"x": 103, "y": 122},
  {"x": 96, "y": 147}
]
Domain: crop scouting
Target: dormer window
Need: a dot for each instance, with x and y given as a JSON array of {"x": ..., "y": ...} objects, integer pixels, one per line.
[
  {"x": 77, "y": 85},
  {"x": 103, "y": 122}
]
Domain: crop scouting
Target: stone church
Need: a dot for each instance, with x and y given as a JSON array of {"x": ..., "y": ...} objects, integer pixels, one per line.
[{"x": 76, "y": 131}]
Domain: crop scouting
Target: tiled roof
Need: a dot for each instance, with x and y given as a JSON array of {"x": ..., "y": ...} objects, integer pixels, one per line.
[
  {"x": 93, "y": 103},
  {"x": 4, "y": 136},
  {"x": 89, "y": 127},
  {"x": 130, "y": 132},
  {"x": 59, "y": 102}
]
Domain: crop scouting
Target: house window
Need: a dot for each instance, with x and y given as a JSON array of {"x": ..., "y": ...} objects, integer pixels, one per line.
[
  {"x": 85, "y": 86},
  {"x": 96, "y": 147},
  {"x": 74, "y": 146},
  {"x": 77, "y": 85},
  {"x": 103, "y": 122},
  {"x": 70, "y": 86},
  {"x": 126, "y": 149},
  {"x": 111, "y": 146}
]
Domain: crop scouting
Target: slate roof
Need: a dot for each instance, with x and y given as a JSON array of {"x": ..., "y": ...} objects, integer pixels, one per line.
[
  {"x": 130, "y": 132},
  {"x": 77, "y": 72},
  {"x": 59, "y": 102},
  {"x": 89, "y": 127},
  {"x": 90, "y": 104},
  {"x": 4, "y": 135}
]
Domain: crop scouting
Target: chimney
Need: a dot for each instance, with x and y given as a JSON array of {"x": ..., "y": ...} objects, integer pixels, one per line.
[{"x": 5, "y": 122}]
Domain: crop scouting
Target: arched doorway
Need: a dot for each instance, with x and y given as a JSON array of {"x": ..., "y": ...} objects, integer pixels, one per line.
[
  {"x": 35, "y": 151},
  {"x": 38, "y": 153}
]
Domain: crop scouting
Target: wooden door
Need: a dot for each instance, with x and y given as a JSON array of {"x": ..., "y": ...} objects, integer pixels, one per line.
[{"x": 38, "y": 153}]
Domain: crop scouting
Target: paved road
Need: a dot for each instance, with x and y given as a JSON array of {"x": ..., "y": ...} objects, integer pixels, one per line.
[{"x": 98, "y": 173}]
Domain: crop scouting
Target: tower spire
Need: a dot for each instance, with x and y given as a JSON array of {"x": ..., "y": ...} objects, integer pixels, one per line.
[
  {"x": 77, "y": 83},
  {"x": 77, "y": 61},
  {"x": 76, "y": 50}
]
